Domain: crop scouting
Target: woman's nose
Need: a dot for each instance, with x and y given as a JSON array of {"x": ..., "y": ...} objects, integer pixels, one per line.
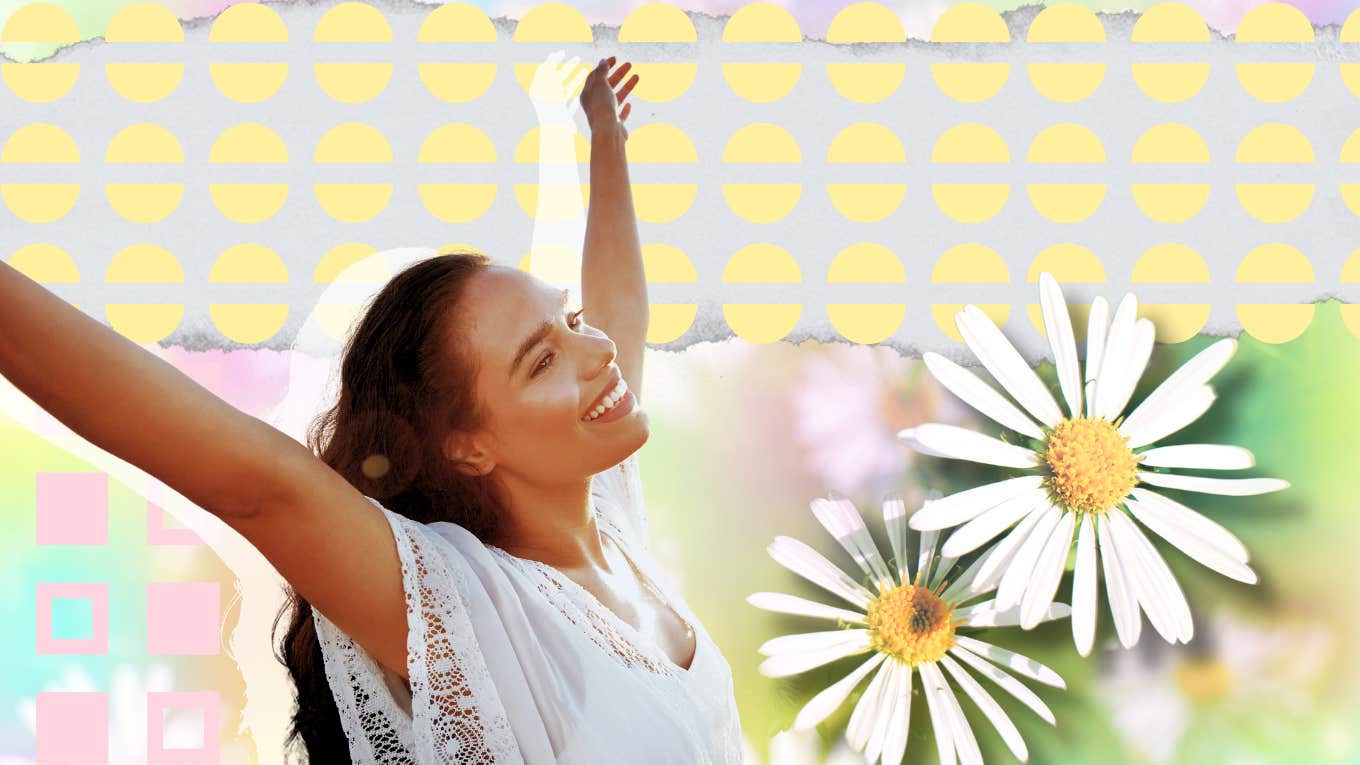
[{"x": 603, "y": 349}]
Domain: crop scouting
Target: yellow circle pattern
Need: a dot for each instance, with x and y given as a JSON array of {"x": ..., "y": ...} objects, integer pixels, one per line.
[{"x": 867, "y": 143}]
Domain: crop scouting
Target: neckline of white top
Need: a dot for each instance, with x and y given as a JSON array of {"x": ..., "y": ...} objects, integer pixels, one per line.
[{"x": 633, "y": 634}]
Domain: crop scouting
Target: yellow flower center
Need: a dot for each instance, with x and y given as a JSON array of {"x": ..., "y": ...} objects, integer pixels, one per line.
[
  {"x": 1203, "y": 681},
  {"x": 911, "y": 623},
  {"x": 1092, "y": 465}
]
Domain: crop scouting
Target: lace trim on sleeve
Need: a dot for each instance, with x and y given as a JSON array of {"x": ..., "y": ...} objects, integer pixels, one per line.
[
  {"x": 451, "y": 687},
  {"x": 370, "y": 716},
  {"x": 619, "y": 491},
  {"x": 458, "y": 715}
]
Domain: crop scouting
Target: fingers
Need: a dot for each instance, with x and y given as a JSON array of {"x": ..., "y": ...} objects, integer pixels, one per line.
[
  {"x": 627, "y": 87},
  {"x": 613, "y": 78}
]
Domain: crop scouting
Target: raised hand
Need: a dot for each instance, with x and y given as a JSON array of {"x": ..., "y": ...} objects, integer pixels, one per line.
[{"x": 603, "y": 104}]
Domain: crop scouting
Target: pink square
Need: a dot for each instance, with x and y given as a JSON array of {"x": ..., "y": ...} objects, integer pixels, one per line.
[
  {"x": 161, "y": 751},
  {"x": 157, "y": 533},
  {"x": 182, "y": 618},
  {"x": 73, "y": 508},
  {"x": 98, "y": 595},
  {"x": 73, "y": 728}
]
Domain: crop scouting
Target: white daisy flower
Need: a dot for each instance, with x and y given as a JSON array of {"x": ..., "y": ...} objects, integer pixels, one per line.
[
  {"x": 912, "y": 625},
  {"x": 1088, "y": 482}
]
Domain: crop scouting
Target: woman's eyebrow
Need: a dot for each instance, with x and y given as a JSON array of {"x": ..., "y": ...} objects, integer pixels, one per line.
[{"x": 535, "y": 337}]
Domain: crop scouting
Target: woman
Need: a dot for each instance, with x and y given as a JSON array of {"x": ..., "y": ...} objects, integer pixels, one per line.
[{"x": 465, "y": 540}]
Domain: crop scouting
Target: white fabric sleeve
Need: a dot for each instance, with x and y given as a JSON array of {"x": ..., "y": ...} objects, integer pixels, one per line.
[
  {"x": 452, "y": 713},
  {"x": 618, "y": 492}
]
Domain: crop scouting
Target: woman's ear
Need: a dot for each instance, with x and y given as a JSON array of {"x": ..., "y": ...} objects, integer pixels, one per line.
[{"x": 466, "y": 453}]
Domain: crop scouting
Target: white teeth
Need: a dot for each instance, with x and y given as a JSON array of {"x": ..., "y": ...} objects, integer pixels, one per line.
[{"x": 610, "y": 400}]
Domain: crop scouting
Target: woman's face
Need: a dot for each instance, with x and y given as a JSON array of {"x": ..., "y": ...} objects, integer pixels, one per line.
[{"x": 536, "y": 405}]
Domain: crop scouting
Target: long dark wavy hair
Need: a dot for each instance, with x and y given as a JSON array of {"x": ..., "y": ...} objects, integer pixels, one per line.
[{"x": 406, "y": 381}]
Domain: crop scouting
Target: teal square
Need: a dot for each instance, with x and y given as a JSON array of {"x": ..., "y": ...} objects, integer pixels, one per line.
[{"x": 72, "y": 618}]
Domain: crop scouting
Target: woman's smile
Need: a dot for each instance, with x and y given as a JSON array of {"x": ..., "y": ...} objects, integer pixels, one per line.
[{"x": 622, "y": 408}]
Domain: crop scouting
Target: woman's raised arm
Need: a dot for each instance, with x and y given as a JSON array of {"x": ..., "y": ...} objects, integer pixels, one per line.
[
  {"x": 319, "y": 532},
  {"x": 130, "y": 403},
  {"x": 613, "y": 282}
]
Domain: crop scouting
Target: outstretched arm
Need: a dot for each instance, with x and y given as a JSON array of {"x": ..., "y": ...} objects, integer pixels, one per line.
[
  {"x": 613, "y": 283},
  {"x": 127, "y": 401}
]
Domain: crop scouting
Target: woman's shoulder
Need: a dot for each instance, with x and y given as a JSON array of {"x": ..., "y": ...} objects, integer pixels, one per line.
[{"x": 443, "y": 541}]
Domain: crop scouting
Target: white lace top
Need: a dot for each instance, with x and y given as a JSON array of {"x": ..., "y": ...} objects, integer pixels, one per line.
[{"x": 511, "y": 661}]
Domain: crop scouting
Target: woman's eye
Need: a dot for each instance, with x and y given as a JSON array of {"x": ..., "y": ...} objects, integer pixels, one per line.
[
  {"x": 574, "y": 321},
  {"x": 544, "y": 364}
]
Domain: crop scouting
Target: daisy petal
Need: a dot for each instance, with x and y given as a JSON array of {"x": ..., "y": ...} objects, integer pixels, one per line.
[
  {"x": 842, "y": 520},
  {"x": 963, "y": 506},
  {"x": 908, "y": 437},
  {"x": 1058, "y": 328},
  {"x": 996, "y": 560},
  {"x": 867, "y": 710},
  {"x": 944, "y": 731},
  {"x": 1118, "y": 591},
  {"x": 1005, "y": 682},
  {"x": 1114, "y": 360},
  {"x": 1097, "y": 327},
  {"x": 786, "y": 664},
  {"x": 1022, "y": 665},
  {"x": 1189, "y": 543},
  {"x": 895, "y": 521},
  {"x": 1084, "y": 589},
  {"x": 988, "y": 615},
  {"x": 895, "y": 745},
  {"x": 830, "y": 698},
  {"x": 1020, "y": 570},
  {"x": 807, "y": 642},
  {"x": 1137, "y": 355},
  {"x": 958, "y": 590},
  {"x": 1174, "y": 415},
  {"x": 1169, "y": 511},
  {"x": 979, "y": 395},
  {"x": 1146, "y": 590},
  {"x": 1163, "y": 577},
  {"x": 964, "y": 444},
  {"x": 1236, "y": 487},
  {"x": 1198, "y": 456},
  {"x": 965, "y": 743},
  {"x": 887, "y": 709},
  {"x": 927, "y": 556},
  {"x": 1006, "y": 364},
  {"x": 1192, "y": 374},
  {"x": 792, "y": 604},
  {"x": 1154, "y": 579},
  {"x": 806, "y": 562},
  {"x": 991, "y": 523},
  {"x": 1157, "y": 565},
  {"x": 1048, "y": 570},
  {"x": 989, "y": 707}
]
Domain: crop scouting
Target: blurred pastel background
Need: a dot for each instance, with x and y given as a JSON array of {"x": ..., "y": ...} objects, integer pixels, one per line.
[{"x": 744, "y": 436}]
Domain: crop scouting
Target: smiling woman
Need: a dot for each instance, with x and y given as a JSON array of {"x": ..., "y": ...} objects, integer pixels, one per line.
[{"x": 463, "y": 533}]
